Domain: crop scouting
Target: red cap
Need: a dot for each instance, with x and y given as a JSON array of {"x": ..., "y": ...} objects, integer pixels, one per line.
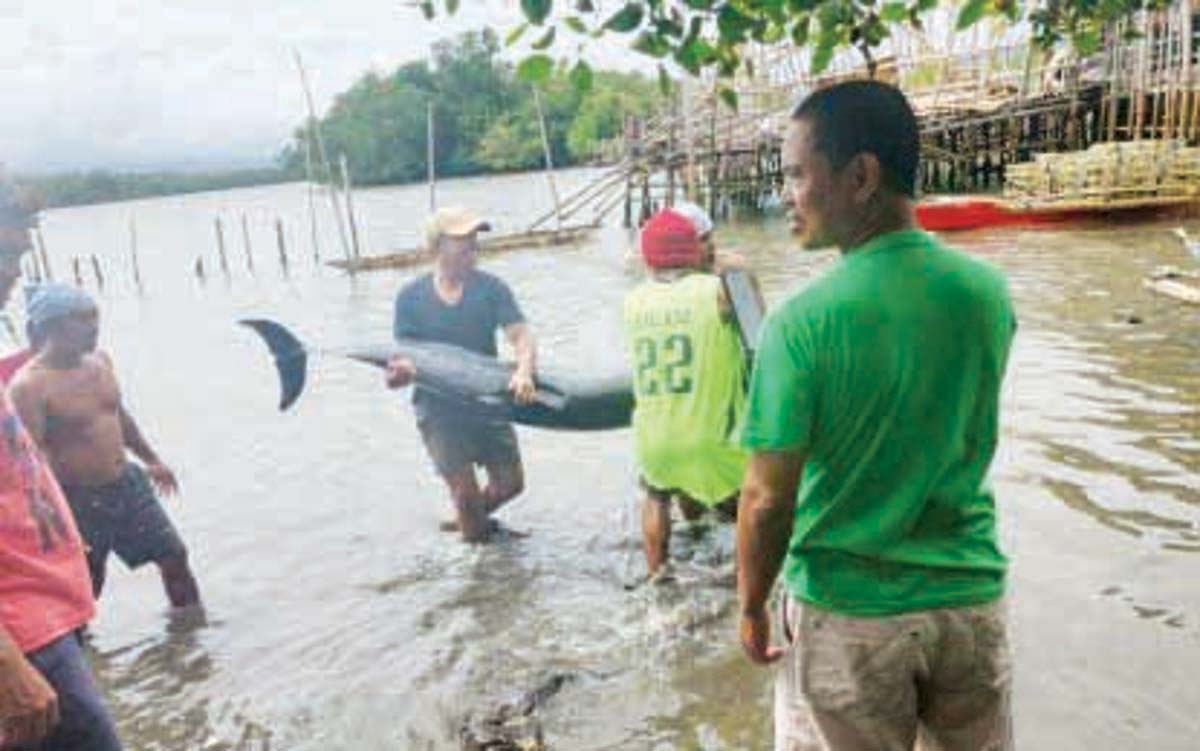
[{"x": 669, "y": 240}]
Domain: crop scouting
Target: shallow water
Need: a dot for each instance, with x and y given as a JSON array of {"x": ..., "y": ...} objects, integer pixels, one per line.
[{"x": 340, "y": 618}]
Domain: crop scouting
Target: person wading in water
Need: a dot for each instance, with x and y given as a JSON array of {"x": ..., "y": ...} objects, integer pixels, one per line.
[
  {"x": 460, "y": 305},
  {"x": 689, "y": 379},
  {"x": 70, "y": 401}
]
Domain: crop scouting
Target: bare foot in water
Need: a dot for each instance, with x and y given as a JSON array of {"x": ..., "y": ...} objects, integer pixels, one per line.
[{"x": 494, "y": 528}]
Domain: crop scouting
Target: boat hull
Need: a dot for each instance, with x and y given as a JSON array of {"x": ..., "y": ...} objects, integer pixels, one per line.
[{"x": 977, "y": 212}]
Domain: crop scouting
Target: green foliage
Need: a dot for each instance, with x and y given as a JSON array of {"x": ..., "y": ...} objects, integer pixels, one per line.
[
  {"x": 100, "y": 186},
  {"x": 702, "y": 35},
  {"x": 484, "y": 114}
]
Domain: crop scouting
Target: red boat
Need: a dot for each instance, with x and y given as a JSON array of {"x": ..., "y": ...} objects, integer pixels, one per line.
[{"x": 953, "y": 213}]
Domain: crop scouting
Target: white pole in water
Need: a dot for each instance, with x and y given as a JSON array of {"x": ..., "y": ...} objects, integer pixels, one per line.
[
  {"x": 314, "y": 129},
  {"x": 537, "y": 103},
  {"x": 349, "y": 190},
  {"x": 429, "y": 157}
]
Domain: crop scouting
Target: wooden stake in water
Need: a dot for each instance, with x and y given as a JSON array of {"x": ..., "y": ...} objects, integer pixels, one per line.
[
  {"x": 283, "y": 257},
  {"x": 537, "y": 103},
  {"x": 199, "y": 268},
  {"x": 133, "y": 253},
  {"x": 221, "y": 245},
  {"x": 246, "y": 242},
  {"x": 78, "y": 271},
  {"x": 348, "y": 188},
  {"x": 99, "y": 274},
  {"x": 41, "y": 249}
]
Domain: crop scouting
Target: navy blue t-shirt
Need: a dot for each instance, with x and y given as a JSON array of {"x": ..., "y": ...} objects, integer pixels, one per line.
[{"x": 487, "y": 304}]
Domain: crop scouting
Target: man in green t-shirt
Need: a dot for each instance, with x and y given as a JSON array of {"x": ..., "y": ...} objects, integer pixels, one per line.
[
  {"x": 872, "y": 419},
  {"x": 689, "y": 379}
]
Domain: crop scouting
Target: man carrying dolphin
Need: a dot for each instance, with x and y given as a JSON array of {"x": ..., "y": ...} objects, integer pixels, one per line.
[{"x": 460, "y": 305}]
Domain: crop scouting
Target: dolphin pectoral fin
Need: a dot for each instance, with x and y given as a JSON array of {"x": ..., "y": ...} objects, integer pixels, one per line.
[{"x": 291, "y": 359}]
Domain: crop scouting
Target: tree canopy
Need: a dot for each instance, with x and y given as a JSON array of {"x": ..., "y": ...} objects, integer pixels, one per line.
[
  {"x": 699, "y": 35},
  {"x": 485, "y": 117}
]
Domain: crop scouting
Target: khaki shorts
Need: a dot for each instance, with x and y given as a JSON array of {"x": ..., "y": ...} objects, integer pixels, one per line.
[{"x": 934, "y": 680}]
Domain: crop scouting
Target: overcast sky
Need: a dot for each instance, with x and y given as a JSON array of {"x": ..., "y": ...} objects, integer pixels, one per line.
[{"x": 197, "y": 83}]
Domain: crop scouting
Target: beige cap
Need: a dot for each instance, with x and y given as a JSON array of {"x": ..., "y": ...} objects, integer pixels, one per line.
[{"x": 452, "y": 221}]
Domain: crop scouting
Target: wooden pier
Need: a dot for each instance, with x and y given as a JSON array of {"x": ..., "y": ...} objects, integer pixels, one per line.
[{"x": 981, "y": 109}]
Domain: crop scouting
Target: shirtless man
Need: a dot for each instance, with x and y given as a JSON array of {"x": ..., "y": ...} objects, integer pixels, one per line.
[{"x": 70, "y": 402}]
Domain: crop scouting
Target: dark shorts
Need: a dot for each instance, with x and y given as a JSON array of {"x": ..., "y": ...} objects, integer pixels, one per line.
[
  {"x": 456, "y": 443},
  {"x": 123, "y": 517},
  {"x": 84, "y": 722}
]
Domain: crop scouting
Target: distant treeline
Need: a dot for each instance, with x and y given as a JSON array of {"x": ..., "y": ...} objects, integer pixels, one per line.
[
  {"x": 101, "y": 186},
  {"x": 485, "y": 119}
]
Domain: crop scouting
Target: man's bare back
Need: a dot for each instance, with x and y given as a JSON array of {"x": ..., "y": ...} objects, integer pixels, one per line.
[{"x": 79, "y": 411}]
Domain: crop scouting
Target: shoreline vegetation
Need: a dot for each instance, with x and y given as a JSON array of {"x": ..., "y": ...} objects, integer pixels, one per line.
[{"x": 485, "y": 122}]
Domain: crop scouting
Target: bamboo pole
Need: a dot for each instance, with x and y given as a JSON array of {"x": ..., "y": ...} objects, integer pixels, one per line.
[
  {"x": 41, "y": 249},
  {"x": 312, "y": 200},
  {"x": 314, "y": 128},
  {"x": 348, "y": 189},
  {"x": 99, "y": 274},
  {"x": 30, "y": 270},
  {"x": 1139, "y": 118},
  {"x": 1186, "y": 68},
  {"x": 220, "y": 229},
  {"x": 199, "y": 268},
  {"x": 430, "y": 157},
  {"x": 133, "y": 254},
  {"x": 246, "y": 244},
  {"x": 537, "y": 103},
  {"x": 279, "y": 239},
  {"x": 1158, "y": 61}
]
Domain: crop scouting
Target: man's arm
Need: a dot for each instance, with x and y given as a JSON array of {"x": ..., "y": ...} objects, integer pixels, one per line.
[
  {"x": 160, "y": 474},
  {"x": 520, "y": 337},
  {"x": 28, "y": 703},
  {"x": 765, "y": 517},
  {"x": 400, "y": 370}
]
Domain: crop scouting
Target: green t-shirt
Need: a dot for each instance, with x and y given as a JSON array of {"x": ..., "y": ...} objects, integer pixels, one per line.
[
  {"x": 885, "y": 373},
  {"x": 689, "y": 387}
]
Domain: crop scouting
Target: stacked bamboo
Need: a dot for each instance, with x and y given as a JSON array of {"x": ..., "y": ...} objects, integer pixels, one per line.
[{"x": 1109, "y": 173}]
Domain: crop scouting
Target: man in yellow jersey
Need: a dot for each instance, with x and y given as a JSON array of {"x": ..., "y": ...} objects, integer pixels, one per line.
[{"x": 689, "y": 377}]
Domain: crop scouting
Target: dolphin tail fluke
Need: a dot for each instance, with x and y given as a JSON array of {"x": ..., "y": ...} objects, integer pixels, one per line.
[{"x": 291, "y": 359}]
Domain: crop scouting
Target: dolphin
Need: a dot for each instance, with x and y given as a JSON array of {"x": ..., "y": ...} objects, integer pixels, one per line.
[{"x": 476, "y": 383}]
